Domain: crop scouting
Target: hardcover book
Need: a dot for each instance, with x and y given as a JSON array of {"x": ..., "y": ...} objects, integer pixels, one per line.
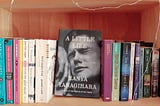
[
  {"x": 107, "y": 70},
  {"x": 78, "y": 63},
  {"x": 125, "y": 72},
  {"x": 116, "y": 71},
  {"x": 2, "y": 73},
  {"x": 9, "y": 71}
]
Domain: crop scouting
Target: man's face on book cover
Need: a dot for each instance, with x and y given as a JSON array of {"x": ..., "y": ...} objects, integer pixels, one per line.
[{"x": 84, "y": 57}]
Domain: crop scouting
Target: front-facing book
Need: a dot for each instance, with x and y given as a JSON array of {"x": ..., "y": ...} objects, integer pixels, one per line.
[{"x": 78, "y": 63}]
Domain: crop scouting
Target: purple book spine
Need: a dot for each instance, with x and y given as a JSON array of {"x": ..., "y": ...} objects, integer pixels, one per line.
[
  {"x": 136, "y": 72},
  {"x": 107, "y": 70}
]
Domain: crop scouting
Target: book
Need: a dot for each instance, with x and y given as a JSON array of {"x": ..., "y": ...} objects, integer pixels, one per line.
[
  {"x": 125, "y": 71},
  {"x": 16, "y": 72},
  {"x": 25, "y": 71},
  {"x": 116, "y": 63},
  {"x": 155, "y": 73},
  {"x": 132, "y": 57},
  {"x": 141, "y": 72},
  {"x": 45, "y": 63},
  {"x": 79, "y": 56},
  {"x": 9, "y": 71},
  {"x": 31, "y": 70},
  {"x": 136, "y": 72},
  {"x": 2, "y": 73},
  {"x": 107, "y": 70},
  {"x": 147, "y": 72}
]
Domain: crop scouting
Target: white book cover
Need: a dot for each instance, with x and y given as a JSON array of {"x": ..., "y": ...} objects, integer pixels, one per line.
[
  {"x": 25, "y": 72},
  {"x": 31, "y": 72},
  {"x": 41, "y": 63},
  {"x": 131, "y": 70},
  {"x": 50, "y": 68}
]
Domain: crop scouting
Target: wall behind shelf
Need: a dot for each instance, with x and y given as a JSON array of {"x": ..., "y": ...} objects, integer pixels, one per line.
[{"x": 119, "y": 26}]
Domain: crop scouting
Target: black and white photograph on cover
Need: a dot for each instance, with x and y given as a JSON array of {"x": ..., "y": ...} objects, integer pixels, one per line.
[{"x": 78, "y": 63}]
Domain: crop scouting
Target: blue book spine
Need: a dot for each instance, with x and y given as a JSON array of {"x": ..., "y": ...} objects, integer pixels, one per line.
[
  {"x": 125, "y": 72},
  {"x": 8, "y": 43},
  {"x": 141, "y": 72},
  {"x": 136, "y": 72},
  {"x": 2, "y": 73}
]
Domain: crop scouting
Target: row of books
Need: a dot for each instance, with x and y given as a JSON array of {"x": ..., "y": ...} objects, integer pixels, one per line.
[
  {"x": 121, "y": 70},
  {"x": 26, "y": 70},
  {"x": 84, "y": 65},
  {"x": 129, "y": 71}
]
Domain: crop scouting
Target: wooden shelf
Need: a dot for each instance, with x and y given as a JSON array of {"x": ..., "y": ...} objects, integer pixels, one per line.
[{"x": 73, "y": 101}]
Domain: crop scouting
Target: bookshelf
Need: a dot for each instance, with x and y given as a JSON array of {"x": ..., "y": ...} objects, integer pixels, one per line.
[{"x": 43, "y": 19}]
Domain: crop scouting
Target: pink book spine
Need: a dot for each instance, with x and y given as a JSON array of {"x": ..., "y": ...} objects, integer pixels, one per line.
[
  {"x": 16, "y": 73},
  {"x": 9, "y": 70}
]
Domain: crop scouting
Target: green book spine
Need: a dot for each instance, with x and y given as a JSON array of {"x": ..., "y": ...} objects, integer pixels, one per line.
[
  {"x": 116, "y": 71},
  {"x": 147, "y": 72}
]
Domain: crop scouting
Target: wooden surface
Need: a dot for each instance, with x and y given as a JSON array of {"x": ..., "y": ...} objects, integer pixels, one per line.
[
  {"x": 72, "y": 101},
  {"x": 118, "y": 26},
  {"x": 70, "y": 5}
]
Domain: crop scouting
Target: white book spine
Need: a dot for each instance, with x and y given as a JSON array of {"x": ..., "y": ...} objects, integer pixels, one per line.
[
  {"x": 41, "y": 63},
  {"x": 50, "y": 68},
  {"x": 25, "y": 72},
  {"x": 131, "y": 70},
  {"x": 31, "y": 71}
]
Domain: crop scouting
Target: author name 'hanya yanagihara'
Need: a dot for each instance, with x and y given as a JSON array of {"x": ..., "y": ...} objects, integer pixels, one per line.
[{"x": 76, "y": 82}]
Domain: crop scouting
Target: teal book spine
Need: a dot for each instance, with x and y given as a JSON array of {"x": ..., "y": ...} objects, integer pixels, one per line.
[
  {"x": 8, "y": 44},
  {"x": 116, "y": 71},
  {"x": 2, "y": 73}
]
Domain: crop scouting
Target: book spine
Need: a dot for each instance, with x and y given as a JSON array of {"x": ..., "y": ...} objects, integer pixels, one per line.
[
  {"x": 141, "y": 72},
  {"x": 107, "y": 70},
  {"x": 31, "y": 72},
  {"x": 2, "y": 73},
  {"x": 136, "y": 73},
  {"x": 9, "y": 71},
  {"x": 116, "y": 71},
  {"x": 132, "y": 56},
  {"x": 21, "y": 68},
  {"x": 155, "y": 73},
  {"x": 25, "y": 71},
  {"x": 41, "y": 64},
  {"x": 16, "y": 73},
  {"x": 51, "y": 57},
  {"x": 159, "y": 77},
  {"x": 125, "y": 72},
  {"x": 147, "y": 72}
]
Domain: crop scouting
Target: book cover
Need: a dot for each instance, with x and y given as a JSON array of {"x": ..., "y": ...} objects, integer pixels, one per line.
[
  {"x": 9, "y": 71},
  {"x": 141, "y": 72},
  {"x": 31, "y": 71},
  {"x": 2, "y": 73},
  {"x": 16, "y": 72},
  {"x": 116, "y": 71},
  {"x": 107, "y": 70},
  {"x": 136, "y": 72},
  {"x": 125, "y": 72},
  {"x": 155, "y": 73},
  {"x": 25, "y": 72},
  {"x": 78, "y": 63},
  {"x": 132, "y": 56},
  {"x": 147, "y": 72}
]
